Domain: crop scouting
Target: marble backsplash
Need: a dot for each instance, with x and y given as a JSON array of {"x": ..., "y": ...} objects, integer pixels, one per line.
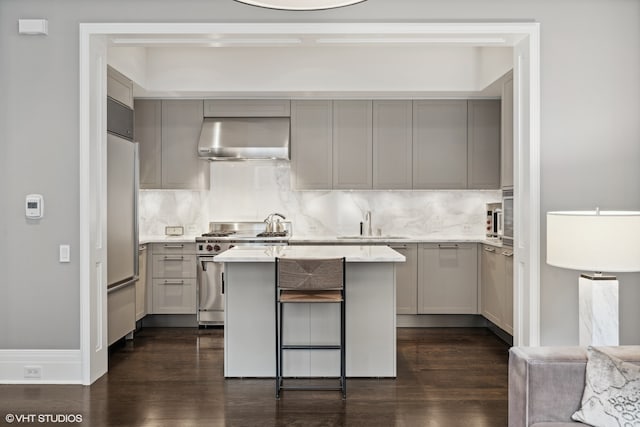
[{"x": 249, "y": 191}]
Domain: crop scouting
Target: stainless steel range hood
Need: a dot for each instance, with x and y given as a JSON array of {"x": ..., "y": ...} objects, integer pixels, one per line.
[{"x": 244, "y": 138}]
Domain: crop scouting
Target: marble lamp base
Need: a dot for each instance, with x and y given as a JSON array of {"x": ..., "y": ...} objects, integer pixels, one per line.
[{"x": 598, "y": 296}]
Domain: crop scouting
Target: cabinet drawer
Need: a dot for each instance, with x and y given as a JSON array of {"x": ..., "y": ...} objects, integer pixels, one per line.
[
  {"x": 174, "y": 266},
  {"x": 174, "y": 296},
  {"x": 174, "y": 248}
]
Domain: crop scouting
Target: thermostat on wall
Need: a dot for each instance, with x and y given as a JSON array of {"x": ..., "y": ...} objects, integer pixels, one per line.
[{"x": 34, "y": 206}]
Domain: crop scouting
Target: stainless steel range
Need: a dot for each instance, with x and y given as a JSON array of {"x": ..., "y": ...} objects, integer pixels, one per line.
[{"x": 223, "y": 236}]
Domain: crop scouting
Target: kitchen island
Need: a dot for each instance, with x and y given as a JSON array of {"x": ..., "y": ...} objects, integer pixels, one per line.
[{"x": 249, "y": 338}]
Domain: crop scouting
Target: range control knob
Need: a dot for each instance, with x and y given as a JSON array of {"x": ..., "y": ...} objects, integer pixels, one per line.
[
  {"x": 231, "y": 246},
  {"x": 216, "y": 248},
  {"x": 209, "y": 248}
]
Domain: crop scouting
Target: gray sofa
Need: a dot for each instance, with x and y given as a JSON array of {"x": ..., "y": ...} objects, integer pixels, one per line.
[{"x": 546, "y": 383}]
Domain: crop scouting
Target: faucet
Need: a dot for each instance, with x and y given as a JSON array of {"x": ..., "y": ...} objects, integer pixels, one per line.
[{"x": 367, "y": 221}]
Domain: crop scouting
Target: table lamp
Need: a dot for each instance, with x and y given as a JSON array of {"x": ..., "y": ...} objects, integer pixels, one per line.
[{"x": 595, "y": 241}]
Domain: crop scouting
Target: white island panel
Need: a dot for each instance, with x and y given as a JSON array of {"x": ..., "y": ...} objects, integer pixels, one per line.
[{"x": 370, "y": 321}]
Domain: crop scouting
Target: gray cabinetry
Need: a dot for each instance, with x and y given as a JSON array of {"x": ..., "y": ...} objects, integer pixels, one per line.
[
  {"x": 148, "y": 133},
  {"x": 496, "y": 284},
  {"x": 439, "y": 144},
  {"x": 506, "y": 124},
  {"x": 392, "y": 144},
  {"x": 507, "y": 321},
  {"x": 173, "y": 289},
  {"x": 181, "y": 126},
  {"x": 352, "y": 145},
  {"x": 311, "y": 145},
  {"x": 483, "y": 144},
  {"x": 141, "y": 284},
  {"x": 407, "y": 279},
  {"x": 491, "y": 279},
  {"x": 119, "y": 87},
  {"x": 168, "y": 133},
  {"x": 447, "y": 278},
  {"x": 246, "y": 108}
]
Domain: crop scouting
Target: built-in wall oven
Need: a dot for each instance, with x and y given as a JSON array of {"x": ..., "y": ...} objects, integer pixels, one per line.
[
  {"x": 223, "y": 236},
  {"x": 507, "y": 217}
]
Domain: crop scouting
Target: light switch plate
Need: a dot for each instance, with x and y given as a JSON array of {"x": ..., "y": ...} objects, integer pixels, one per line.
[
  {"x": 174, "y": 230},
  {"x": 65, "y": 253}
]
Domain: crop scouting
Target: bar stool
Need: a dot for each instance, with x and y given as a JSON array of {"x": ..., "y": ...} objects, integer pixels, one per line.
[{"x": 313, "y": 281}]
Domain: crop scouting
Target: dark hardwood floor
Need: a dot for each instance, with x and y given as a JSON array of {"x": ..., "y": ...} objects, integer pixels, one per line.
[{"x": 447, "y": 377}]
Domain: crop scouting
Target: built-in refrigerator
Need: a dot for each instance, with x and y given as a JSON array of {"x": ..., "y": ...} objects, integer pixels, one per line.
[{"x": 122, "y": 220}]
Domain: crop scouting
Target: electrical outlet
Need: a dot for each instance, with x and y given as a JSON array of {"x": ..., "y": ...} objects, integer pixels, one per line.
[{"x": 33, "y": 371}]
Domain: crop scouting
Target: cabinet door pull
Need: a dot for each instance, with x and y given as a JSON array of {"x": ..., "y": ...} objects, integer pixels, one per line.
[
  {"x": 174, "y": 282},
  {"x": 173, "y": 258},
  {"x": 507, "y": 253},
  {"x": 169, "y": 246},
  {"x": 449, "y": 246},
  {"x": 489, "y": 249}
]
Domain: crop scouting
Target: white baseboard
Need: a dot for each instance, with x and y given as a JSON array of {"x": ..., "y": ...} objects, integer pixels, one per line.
[{"x": 54, "y": 366}]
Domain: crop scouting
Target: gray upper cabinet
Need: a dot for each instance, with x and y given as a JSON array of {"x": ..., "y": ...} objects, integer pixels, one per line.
[
  {"x": 181, "y": 126},
  {"x": 168, "y": 133},
  {"x": 247, "y": 108},
  {"x": 147, "y": 132},
  {"x": 311, "y": 145},
  {"x": 439, "y": 144},
  {"x": 352, "y": 145},
  {"x": 392, "y": 144},
  {"x": 448, "y": 278},
  {"x": 119, "y": 87},
  {"x": 484, "y": 144},
  {"x": 506, "y": 175}
]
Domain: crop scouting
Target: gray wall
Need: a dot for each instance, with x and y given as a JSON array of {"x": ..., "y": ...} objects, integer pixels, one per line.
[{"x": 590, "y": 54}]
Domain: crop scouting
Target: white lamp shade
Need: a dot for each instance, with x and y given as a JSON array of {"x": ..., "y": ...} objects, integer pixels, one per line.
[
  {"x": 604, "y": 241},
  {"x": 300, "y": 4}
]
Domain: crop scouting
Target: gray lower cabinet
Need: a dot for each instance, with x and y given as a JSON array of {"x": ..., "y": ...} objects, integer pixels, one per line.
[
  {"x": 506, "y": 124},
  {"x": 447, "y": 278},
  {"x": 168, "y": 132},
  {"x": 407, "y": 279},
  {"x": 507, "y": 321},
  {"x": 352, "y": 145},
  {"x": 491, "y": 280},
  {"x": 483, "y": 139},
  {"x": 312, "y": 145},
  {"x": 392, "y": 144},
  {"x": 173, "y": 285},
  {"x": 496, "y": 284},
  {"x": 141, "y": 283},
  {"x": 440, "y": 144}
]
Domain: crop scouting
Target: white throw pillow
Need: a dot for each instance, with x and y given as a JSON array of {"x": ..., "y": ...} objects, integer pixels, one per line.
[{"x": 612, "y": 392}]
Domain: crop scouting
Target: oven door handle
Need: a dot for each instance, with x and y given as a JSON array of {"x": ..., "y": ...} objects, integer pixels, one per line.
[{"x": 204, "y": 261}]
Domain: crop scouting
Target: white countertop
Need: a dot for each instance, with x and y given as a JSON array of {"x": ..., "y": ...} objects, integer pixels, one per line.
[
  {"x": 167, "y": 239},
  {"x": 343, "y": 240},
  {"x": 352, "y": 253}
]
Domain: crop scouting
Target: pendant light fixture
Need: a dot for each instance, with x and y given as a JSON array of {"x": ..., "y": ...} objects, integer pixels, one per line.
[{"x": 300, "y": 4}]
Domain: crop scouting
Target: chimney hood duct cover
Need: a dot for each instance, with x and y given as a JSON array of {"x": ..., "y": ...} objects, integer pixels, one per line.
[{"x": 244, "y": 138}]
